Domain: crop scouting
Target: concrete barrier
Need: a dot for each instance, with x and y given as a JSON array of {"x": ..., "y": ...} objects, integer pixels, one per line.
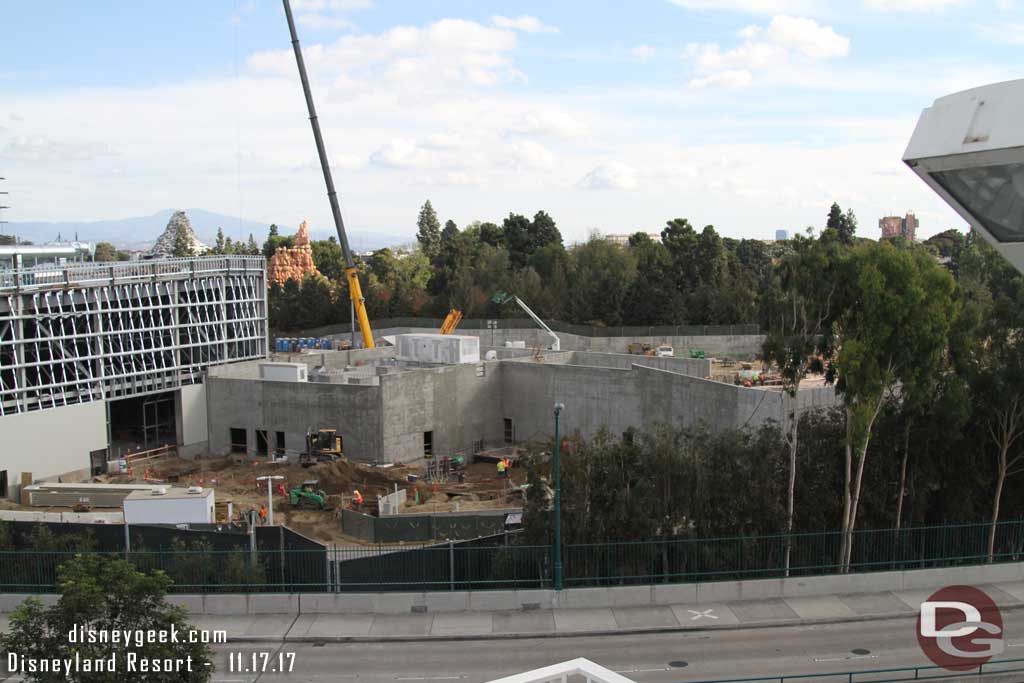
[{"x": 617, "y": 596}]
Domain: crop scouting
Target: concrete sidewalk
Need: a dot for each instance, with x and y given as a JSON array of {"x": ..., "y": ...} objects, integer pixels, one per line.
[{"x": 584, "y": 621}]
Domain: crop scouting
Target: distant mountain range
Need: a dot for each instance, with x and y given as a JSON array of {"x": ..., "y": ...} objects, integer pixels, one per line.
[{"x": 142, "y": 231}]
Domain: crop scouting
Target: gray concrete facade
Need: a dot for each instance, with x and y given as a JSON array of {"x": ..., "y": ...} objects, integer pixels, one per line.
[{"x": 397, "y": 411}]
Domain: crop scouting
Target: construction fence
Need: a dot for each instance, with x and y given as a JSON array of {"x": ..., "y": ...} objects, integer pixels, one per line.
[
  {"x": 557, "y": 326},
  {"x": 497, "y": 562}
]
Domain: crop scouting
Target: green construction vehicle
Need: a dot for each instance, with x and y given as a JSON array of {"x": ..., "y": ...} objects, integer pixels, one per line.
[{"x": 308, "y": 495}]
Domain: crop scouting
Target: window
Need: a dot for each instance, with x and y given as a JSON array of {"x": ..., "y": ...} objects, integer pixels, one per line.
[
  {"x": 3, "y": 484},
  {"x": 509, "y": 431},
  {"x": 428, "y": 444},
  {"x": 239, "y": 441},
  {"x": 994, "y": 195},
  {"x": 262, "y": 447},
  {"x": 279, "y": 447}
]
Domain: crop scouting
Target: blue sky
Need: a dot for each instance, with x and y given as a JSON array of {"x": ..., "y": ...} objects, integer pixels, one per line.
[{"x": 747, "y": 114}]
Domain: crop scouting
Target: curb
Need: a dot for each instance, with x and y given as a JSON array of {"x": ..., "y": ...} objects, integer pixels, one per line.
[{"x": 774, "y": 623}]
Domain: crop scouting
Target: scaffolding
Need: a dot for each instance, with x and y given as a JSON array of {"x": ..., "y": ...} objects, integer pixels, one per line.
[{"x": 75, "y": 333}]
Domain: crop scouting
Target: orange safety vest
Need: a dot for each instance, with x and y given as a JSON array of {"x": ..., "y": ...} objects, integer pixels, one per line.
[{"x": 359, "y": 498}]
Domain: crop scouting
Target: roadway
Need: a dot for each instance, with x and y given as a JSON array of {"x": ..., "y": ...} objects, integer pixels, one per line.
[{"x": 645, "y": 658}]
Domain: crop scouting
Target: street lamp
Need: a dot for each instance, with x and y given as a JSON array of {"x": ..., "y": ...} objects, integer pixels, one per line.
[
  {"x": 559, "y": 407},
  {"x": 270, "y": 497},
  {"x": 969, "y": 148}
]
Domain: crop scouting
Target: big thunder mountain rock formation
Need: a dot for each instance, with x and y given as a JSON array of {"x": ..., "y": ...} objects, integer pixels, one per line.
[{"x": 294, "y": 262}]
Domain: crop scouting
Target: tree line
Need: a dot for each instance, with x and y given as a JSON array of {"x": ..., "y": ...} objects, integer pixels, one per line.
[{"x": 928, "y": 361}]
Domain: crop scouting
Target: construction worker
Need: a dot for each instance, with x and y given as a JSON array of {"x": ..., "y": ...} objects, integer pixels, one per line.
[
  {"x": 357, "y": 500},
  {"x": 501, "y": 469},
  {"x": 508, "y": 467},
  {"x": 263, "y": 514}
]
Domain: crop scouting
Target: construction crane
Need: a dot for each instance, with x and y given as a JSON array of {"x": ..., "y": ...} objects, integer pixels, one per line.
[
  {"x": 501, "y": 297},
  {"x": 355, "y": 292},
  {"x": 451, "y": 321}
]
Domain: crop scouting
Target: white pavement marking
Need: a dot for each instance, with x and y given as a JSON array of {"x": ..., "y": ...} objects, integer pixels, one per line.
[
  {"x": 844, "y": 659},
  {"x": 700, "y": 614}
]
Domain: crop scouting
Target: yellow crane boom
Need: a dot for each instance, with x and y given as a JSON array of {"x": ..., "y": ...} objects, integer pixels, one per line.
[{"x": 355, "y": 291}]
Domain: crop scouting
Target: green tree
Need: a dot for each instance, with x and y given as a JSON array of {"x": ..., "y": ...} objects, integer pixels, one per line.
[
  {"x": 273, "y": 230},
  {"x": 896, "y": 315},
  {"x": 218, "y": 245},
  {"x": 794, "y": 342},
  {"x": 106, "y": 252},
  {"x": 492, "y": 234},
  {"x": 328, "y": 259},
  {"x": 251, "y": 248},
  {"x": 602, "y": 274},
  {"x": 428, "y": 231},
  {"x": 516, "y": 230},
  {"x": 845, "y": 224},
  {"x": 182, "y": 244},
  {"x": 106, "y": 595}
]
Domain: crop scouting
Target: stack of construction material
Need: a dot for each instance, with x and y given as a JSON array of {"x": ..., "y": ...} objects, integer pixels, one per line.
[
  {"x": 70, "y": 495},
  {"x": 438, "y": 348}
]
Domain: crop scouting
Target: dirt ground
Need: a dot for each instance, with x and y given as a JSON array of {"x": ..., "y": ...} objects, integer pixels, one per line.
[{"x": 234, "y": 480}]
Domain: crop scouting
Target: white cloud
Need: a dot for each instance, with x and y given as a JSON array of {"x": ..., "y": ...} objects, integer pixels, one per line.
[
  {"x": 910, "y": 5},
  {"x": 531, "y": 154},
  {"x": 753, "y": 6},
  {"x": 400, "y": 153},
  {"x": 613, "y": 175},
  {"x": 445, "y": 52},
  {"x": 784, "y": 43},
  {"x": 549, "y": 122},
  {"x": 1006, "y": 33},
  {"x": 808, "y": 37},
  {"x": 40, "y": 148},
  {"x": 643, "y": 52},
  {"x": 735, "y": 78},
  {"x": 524, "y": 23}
]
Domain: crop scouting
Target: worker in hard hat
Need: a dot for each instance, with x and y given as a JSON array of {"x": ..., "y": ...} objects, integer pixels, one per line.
[
  {"x": 501, "y": 469},
  {"x": 357, "y": 500}
]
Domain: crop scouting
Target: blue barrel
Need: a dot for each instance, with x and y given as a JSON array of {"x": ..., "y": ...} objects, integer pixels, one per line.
[{"x": 277, "y": 345}]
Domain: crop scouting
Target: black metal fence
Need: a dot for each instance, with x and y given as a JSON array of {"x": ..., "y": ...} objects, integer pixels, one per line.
[{"x": 497, "y": 562}]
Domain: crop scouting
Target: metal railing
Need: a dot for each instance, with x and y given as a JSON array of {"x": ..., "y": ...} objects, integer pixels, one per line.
[
  {"x": 988, "y": 671},
  {"x": 64, "y": 275},
  {"x": 495, "y": 563}
]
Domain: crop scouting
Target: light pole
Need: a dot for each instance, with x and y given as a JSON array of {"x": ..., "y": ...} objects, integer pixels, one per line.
[
  {"x": 559, "y": 407},
  {"x": 270, "y": 496}
]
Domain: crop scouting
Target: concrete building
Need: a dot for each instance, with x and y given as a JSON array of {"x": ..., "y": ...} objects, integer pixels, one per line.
[
  {"x": 623, "y": 239},
  {"x": 892, "y": 226},
  {"x": 96, "y": 359},
  {"x": 389, "y": 410}
]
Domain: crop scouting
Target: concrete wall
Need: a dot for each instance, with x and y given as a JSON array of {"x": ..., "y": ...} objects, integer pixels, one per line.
[
  {"x": 923, "y": 580},
  {"x": 692, "y": 367},
  {"x": 459, "y": 404},
  {"x": 194, "y": 431},
  {"x": 51, "y": 442},
  {"x": 294, "y": 407},
  {"x": 722, "y": 346},
  {"x": 640, "y": 397}
]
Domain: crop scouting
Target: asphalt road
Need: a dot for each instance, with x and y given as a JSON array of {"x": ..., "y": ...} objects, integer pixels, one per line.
[{"x": 651, "y": 658}]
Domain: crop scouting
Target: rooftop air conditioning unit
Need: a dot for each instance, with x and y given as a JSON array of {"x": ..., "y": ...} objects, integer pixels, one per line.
[
  {"x": 195, "y": 489},
  {"x": 160, "y": 491}
]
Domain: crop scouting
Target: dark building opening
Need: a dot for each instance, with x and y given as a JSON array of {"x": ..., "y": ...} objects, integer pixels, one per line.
[
  {"x": 239, "y": 440},
  {"x": 142, "y": 423}
]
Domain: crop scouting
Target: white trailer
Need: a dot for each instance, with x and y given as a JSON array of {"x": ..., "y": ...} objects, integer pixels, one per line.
[{"x": 170, "y": 506}]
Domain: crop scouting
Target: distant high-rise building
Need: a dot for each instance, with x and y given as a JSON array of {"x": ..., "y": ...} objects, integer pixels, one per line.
[
  {"x": 781, "y": 235},
  {"x": 891, "y": 226}
]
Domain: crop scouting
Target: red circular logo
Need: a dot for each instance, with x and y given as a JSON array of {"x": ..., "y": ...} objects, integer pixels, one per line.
[{"x": 960, "y": 628}]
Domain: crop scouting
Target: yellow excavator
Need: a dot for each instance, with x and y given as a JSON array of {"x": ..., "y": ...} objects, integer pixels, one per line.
[
  {"x": 351, "y": 271},
  {"x": 451, "y": 321}
]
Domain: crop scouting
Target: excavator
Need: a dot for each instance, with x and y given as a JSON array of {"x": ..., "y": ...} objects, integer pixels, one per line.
[{"x": 351, "y": 271}]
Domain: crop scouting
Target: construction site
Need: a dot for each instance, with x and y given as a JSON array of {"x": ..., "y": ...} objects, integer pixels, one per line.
[{"x": 183, "y": 415}]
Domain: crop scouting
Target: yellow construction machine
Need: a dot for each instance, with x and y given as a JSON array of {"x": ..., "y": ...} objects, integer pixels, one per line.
[
  {"x": 355, "y": 292},
  {"x": 451, "y": 321}
]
